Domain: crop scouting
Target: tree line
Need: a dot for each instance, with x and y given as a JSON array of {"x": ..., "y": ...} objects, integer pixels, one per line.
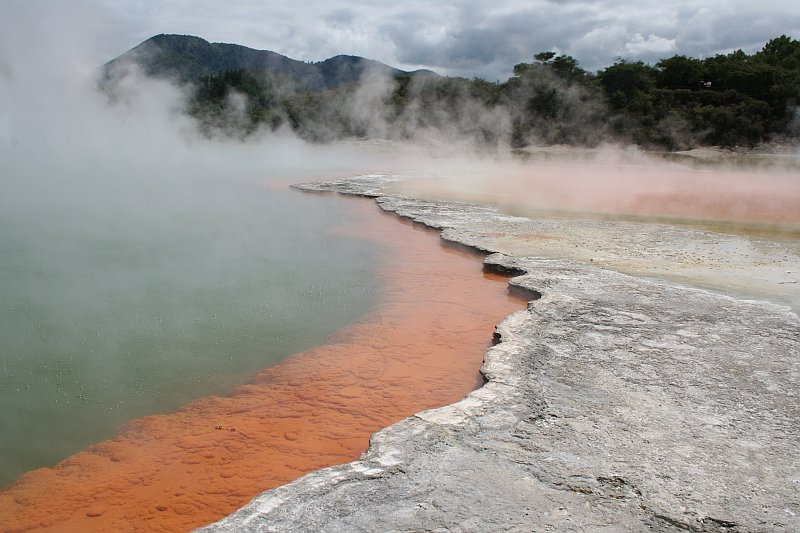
[{"x": 734, "y": 99}]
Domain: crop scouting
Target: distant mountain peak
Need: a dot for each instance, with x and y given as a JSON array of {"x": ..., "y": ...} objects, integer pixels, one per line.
[{"x": 188, "y": 58}]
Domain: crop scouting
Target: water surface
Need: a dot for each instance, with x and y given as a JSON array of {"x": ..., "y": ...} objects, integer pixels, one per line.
[
  {"x": 419, "y": 347},
  {"x": 124, "y": 299}
]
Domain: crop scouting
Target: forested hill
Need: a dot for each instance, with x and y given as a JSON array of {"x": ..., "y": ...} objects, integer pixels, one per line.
[
  {"x": 734, "y": 99},
  {"x": 187, "y": 58}
]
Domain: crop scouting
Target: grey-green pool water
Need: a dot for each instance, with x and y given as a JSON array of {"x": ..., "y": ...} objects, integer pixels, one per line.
[{"x": 118, "y": 301}]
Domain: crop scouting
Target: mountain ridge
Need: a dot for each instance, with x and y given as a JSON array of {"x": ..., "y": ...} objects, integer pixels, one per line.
[
  {"x": 188, "y": 58},
  {"x": 550, "y": 100}
]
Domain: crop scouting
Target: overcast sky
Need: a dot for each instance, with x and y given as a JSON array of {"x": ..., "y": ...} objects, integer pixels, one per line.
[{"x": 469, "y": 37}]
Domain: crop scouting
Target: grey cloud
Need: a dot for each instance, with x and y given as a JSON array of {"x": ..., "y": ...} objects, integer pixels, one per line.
[
  {"x": 340, "y": 16},
  {"x": 709, "y": 35},
  {"x": 468, "y": 37}
]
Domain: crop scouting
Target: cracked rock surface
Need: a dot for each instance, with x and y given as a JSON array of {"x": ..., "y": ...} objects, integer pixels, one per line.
[{"x": 612, "y": 403}]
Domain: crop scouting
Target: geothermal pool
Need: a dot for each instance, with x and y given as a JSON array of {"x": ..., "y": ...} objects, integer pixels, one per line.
[
  {"x": 429, "y": 312},
  {"x": 113, "y": 309}
]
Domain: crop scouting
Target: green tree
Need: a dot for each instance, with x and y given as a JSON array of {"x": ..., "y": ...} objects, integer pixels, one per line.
[
  {"x": 781, "y": 51},
  {"x": 679, "y": 72},
  {"x": 544, "y": 57}
]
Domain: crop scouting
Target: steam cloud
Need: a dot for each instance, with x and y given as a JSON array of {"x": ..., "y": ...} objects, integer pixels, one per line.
[
  {"x": 105, "y": 203},
  {"x": 61, "y": 139},
  {"x": 94, "y": 168}
]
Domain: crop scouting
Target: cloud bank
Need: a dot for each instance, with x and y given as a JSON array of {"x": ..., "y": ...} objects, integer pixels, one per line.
[{"x": 467, "y": 37}]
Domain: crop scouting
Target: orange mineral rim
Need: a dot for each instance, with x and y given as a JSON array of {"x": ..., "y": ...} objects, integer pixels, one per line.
[{"x": 419, "y": 348}]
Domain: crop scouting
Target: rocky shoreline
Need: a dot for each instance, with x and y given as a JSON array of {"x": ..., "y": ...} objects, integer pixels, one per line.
[{"x": 613, "y": 403}]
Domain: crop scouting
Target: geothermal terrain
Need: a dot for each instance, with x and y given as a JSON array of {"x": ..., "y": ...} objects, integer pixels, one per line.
[{"x": 651, "y": 383}]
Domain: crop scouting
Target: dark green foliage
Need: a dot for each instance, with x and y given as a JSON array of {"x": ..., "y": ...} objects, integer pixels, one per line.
[
  {"x": 629, "y": 87},
  {"x": 567, "y": 68},
  {"x": 680, "y": 72},
  {"x": 552, "y": 100},
  {"x": 240, "y": 100},
  {"x": 782, "y": 52},
  {"x": 544, "y": 57},
  {"x": 731, "y": 99}
]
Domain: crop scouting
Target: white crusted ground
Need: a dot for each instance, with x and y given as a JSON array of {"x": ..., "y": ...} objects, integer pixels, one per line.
[{"x": 613, "y": 403}]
